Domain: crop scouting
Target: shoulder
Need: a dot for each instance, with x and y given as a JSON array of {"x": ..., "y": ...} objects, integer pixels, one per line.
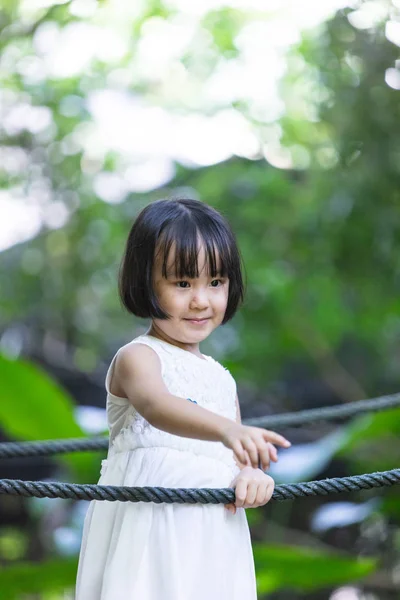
[
  {"x": 131, "y": 361},
  {"x": 137, "y": 354},
  {"x": 139, "y": 372}
]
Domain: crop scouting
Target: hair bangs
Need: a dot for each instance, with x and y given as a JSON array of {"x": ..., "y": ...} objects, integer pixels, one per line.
[{"x": 182, "y": 241}]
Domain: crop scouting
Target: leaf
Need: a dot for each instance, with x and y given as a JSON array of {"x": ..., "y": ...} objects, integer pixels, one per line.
[
  {"x": 303, "y": 569},
  {"x": 34, "y": 407}
]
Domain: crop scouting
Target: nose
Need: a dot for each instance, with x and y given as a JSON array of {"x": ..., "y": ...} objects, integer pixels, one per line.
[{"x": 199, "y": 299}]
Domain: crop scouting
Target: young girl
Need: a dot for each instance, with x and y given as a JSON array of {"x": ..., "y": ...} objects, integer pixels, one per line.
[{"x": 174, "y": 421}]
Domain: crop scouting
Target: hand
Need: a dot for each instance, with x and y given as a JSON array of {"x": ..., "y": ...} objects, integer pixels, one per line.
[
  {"x": 273, "y": 455},
  {"x": 253, "y": 445},
  {"x": 252, "y": 488}
]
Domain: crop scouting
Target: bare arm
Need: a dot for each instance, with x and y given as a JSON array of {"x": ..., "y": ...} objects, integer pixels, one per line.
[{"x": 138, "y": 370}]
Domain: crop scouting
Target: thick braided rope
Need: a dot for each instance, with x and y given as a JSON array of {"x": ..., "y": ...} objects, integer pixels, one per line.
[
  {"x": 43, "y": 489},
  {"x": 49, "y": 447},
  {"x": 327, "y": 413}
]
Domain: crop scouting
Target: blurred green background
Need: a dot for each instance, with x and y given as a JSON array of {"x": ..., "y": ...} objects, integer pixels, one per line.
[{"x": 285, "y": 117}]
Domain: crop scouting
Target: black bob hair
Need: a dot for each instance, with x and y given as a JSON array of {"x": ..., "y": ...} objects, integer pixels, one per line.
[{"x": 181, "y": 222}]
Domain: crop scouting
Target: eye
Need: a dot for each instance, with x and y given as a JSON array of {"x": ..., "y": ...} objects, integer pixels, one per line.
[
  {"x": 220, "y": 281},
  {"x": 182, "y": 287}
]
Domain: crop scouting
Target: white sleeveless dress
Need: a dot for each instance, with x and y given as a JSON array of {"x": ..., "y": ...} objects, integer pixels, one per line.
[{"x": 149, "y": 551}]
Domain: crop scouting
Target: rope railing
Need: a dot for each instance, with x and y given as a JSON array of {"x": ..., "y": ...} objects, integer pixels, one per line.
[
  {"x": 50, "y": 447},
  {"x": 327, "y": 413},
  {"x": 43, "y": 489}
]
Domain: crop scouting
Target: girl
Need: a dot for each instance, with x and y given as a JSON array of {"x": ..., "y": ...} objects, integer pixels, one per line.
[{"x": 174, "y": 421}]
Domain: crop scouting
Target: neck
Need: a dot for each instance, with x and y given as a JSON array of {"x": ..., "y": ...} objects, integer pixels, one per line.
[{"x": 161, "y": 335}]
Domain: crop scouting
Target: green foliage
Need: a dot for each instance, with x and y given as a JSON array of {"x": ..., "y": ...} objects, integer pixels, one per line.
[
  {"x": 30, "y": 578},
  {"x": 320, "y": 240},
  {"x": 278, "y": 567},
  {"x": 13, "y": 544},
  {"x": 224, "y": 25},
  {"x": 285, "y": 567},
  {"x": 34, "y": 407},
  {"x": 32, "y": 404}
]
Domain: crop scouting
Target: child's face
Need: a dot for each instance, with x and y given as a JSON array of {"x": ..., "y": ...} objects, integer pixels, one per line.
[{"x": 202, "y": 298}]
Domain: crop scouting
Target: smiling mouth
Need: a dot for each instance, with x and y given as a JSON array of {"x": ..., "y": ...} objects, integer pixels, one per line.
[{"x": 198, "y": 320}]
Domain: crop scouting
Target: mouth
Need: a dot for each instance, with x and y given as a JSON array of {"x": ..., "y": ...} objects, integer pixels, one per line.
[{"x": 198, "y": 321}]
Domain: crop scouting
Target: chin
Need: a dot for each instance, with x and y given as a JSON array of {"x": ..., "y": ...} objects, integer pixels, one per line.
[{"x": 198, "y": 336}]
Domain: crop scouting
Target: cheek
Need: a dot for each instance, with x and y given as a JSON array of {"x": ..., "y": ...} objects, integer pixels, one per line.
[
  {"x": 225, "y": 294},
  {"x": 220, "y": 300},
  {"x": 162, "y": 296},
  {"x": 169, "y": 297}
]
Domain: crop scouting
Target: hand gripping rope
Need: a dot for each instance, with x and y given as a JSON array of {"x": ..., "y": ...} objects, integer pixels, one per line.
[{"x": 42, "y": 489}]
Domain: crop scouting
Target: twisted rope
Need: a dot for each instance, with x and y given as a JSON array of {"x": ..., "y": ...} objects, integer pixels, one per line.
[
  {"x": 42, "y": 489},
  {"x": 327, "y": 413},
  {"x": 49, "y": 447}
]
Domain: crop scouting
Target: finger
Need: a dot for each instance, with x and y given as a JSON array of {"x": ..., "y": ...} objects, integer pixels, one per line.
[
  {"x": 252, "y": 490},
  {"x": 240, "y": 493},
  {"x": 239, "y": 451},
  {"x": 252, "y": 451},
  {"x": 231, "y": 507},
  {"x": 261, "y": 494},
  {"x": 247, "y": 462},
  {"x": 273, "y": 452},
  {"x": 266, "y": 454},
  {"x": 264, "y": 460},
  {"x": 275, "y": 438},
  {"x": 270, "y": 491}
]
